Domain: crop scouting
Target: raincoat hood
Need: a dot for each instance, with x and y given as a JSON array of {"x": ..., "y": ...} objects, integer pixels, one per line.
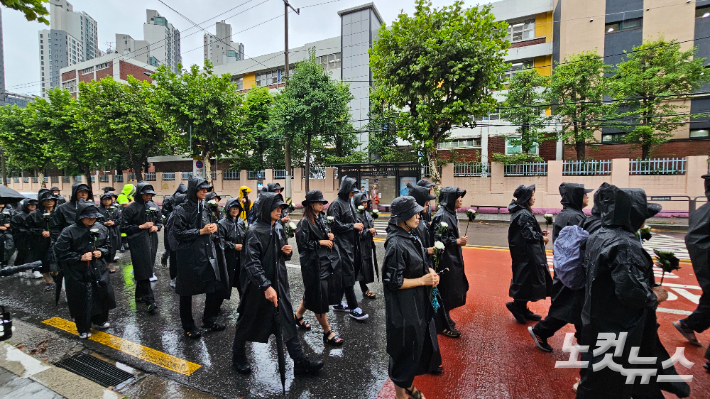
[
  {"x": 420, "y": 193},
  {"x": 45, "y": 195},
  {"x": 707, "y": 185},
  {"x": 425, "y": 183},
  {"x": 212, "y": 195},
  {"x": 129, "y": 190},
  {"x": 194, "y": 185},
  {"x": 241, "y": 191},
  {"x": 596, "y": 209},
  {"x": 86, "y": 210},
  {"x": 143, "y": 188},
  {"x": 573, "y": 195},
  {"x": 448, "y": 197},
  {"x": 267, "y": 203},
  {"x": 626, "y": 207},
  {"x": 106, "y": 195},
  {"x": 232, "y": 203},
  {"x": 347, "y": 186},
  {"x": 76, "y": 187},
  {"x": 359, "y": 198},
  {"x": 181, "y": 189},
  {"x": 272, "y": 187},
  {"x": 26, "y": 203},
  {"x": 179, "y": 199}
]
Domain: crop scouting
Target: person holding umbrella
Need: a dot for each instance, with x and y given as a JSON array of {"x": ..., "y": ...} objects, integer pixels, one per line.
[
  {"x": 368, "y": 268},
  {"x": 408, "y": 281},
  {"x": 141, "y": 221},
  {"x": 318, "y": 260},
  {"x": 265, "y": 307},
  {"x": 82, "y": 249}
]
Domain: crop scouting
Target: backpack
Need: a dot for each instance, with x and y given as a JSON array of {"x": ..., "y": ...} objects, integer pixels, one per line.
[{"x": 568, "y": 257}]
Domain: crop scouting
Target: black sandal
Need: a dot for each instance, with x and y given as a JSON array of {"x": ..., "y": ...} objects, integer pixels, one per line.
[
  {"x": 302, "y": 324},
  {"x": 335, "y": 341},
  {"x": 369, "y": 294},
  {"x": 214, "y": 327},
  {"x": 451, "y": 333},
  {"x": 193, "y": 333},
  {"x": 414, "y": 392}
]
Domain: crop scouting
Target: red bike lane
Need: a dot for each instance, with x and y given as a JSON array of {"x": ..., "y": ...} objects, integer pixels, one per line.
[{"x": 496, "y": 358}]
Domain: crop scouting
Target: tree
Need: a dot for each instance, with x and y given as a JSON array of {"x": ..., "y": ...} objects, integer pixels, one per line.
[
  {"x": 68, "y": 145},
  {"x": 123, "y": 119},
  {"x": 313, "y": 105},
  {"x": 646, "y": 88},
  {"x": 576, "y": 90},
  {"x": 33, "y": 9},
  {"x": 255, "y": 125},
  {"x": 441, "y": 66},
  {"x": 524, "y": 107},
  {"x": 383, "y": 132},
  {"x": 203, "y": 110},
  {"x": 25, "y": 149}
]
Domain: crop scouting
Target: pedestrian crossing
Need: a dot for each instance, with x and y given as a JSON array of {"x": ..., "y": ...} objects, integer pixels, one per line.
[{"x": 667, "y": 243}]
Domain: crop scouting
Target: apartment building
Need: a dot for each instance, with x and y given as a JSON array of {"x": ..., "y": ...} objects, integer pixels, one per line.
[
  {"x": 118, "y": 67},
  {"x": 163, "y": 39},
  {"x": 220, "y": 49}
]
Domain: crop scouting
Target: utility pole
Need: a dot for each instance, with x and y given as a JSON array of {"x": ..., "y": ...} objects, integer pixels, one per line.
[{"x": 287, "y": 139}]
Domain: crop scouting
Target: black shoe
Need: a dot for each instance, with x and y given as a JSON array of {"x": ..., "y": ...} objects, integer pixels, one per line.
[
  {"x": 519, "y": 316},
  {"x": 532, "y": 316},
  {"x": 307, "y": 367},
  {"x": 687, "y": 332},
  {"x": 539, "y": 341},
  {"x": 164, "y": 260},
  {"x": 152, "y": 308},
  {"x": 193, "y": 333},
  {"x": 437, "y": 370},
  {"x": 213, "y": 326},
  {"x": 241, "y": 365}
]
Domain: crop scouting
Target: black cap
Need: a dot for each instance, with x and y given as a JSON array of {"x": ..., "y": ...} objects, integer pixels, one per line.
[
  {"x": 32, "y": 201},
  {"x": 206, "y": 185},
  {"x": 107, "y": 189},
  {"x": 314, "y": 196},
  {"x": 278, "y": 202},
  {"x": 403, "y": 208},
  {"x": 420, "y": 194},
  {"x": 55, "y": 188},
  {"x": 653, "y": 209},
  {"x": 706, "y": 176},
  {"x": 425, "y": 183},
  {"x": 107, "y": 195},
  {"x": 147, "y": 189},
  {"x": 90, "y": 212}
]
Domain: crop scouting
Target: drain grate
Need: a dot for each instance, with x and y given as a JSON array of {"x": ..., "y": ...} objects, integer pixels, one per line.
[{"x": 94, "y": 369}]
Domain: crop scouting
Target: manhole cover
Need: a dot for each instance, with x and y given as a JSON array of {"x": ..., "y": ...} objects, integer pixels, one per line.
[{"x": 94, "y": 369}]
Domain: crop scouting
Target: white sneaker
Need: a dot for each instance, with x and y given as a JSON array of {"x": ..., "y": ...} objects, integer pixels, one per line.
[
  {"x": 115, "y": 258},
  {"x": 172, "y": 283},
  {"x": 84, "y": 335},
  {"x": 102, "y": 326},
  {"x": 36, "y": 274},
  {"x": 153, "y": 278}
]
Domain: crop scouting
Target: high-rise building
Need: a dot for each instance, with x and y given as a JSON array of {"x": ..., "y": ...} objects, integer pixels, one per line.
[
  {"x": 163, "y": 40},
  {"x": 136, "y": 49},
  {"x": 220, "y": 49},
  {"x": 72, "y": 38}
]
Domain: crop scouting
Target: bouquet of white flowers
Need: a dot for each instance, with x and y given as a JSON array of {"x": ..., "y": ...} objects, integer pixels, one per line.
[
  {"x": 361, "y": 209},
  {"x": 375, "y": 213},
  {"x": 548, "y": 219},
  {"x": 291, "y": 229}
]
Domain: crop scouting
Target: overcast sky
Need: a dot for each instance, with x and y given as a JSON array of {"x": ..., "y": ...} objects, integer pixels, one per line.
[{"x": 321, "y": 21}]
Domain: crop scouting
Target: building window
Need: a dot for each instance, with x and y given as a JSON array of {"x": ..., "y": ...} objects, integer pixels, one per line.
[
  {"x": 613, "y": 138},
  {"x": 700, "y": 134},
  {"x": 624, "y": 25},
  {"x": 460, "y": 143},
  {"x": 490, "y": 117},
  {"x": 330, "y": 61},
  {"x": 520, "y": 31},
  {"x": 105, "y": 65},
  {"x": 517, "y": 67},
  {"x": 511, "y": 149},
  {"x": 700, "y": 12}
]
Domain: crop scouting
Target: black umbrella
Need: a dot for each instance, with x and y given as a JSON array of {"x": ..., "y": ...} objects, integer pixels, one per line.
[
  {"x": 277, "y": 324},
  {"x": 10, "y": 270},
  {"x": 9, "y": 196}
]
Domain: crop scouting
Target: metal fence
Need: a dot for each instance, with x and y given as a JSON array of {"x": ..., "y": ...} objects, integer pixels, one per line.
[
  {"x": 472, "y": 169},
  {"x": 168, "y": 175},
  {"x": 657, "y": 166},
  {"x": 185, "y": 175},
  {"x": 526, "y": 169},
  {"x": 131, "y": 176},
  {"x": 46, "y": 179},
  {"x": 16, "y": 179},
  {"x": 35, "y": 179},
  {"x": 66, "y": 179},
  {"x": 316, "y": 173},
  {"x": 254, "y": 174},
  {"x": 231, "y": 175},
  {"x": 77, "y": 179},
  {"x": 118, "y": 178},
  {"x": 150, "y": 176},
  {"x": 586, "y": 168},
  {"x": 103, "y": 178},
  {"x": 214, "y": 175},
  {"x": 426, "y": 172},
  {"x": 55, "y": 179},
  {"x": 93, "y": 178},
  {"x": 25, "y": 179},
  {"x": 281, "y": 173}
]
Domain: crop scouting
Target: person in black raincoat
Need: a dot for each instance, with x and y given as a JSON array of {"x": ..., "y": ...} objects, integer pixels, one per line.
[
  {"x": 38, "y": 225},
  {"x": 7, "y": 242},
  {"x": 23, "y": 238},
  {"x": 346, "y": 228},
  {"x": 454, "y": 284},
  {"x": 254, "y": 211},
  {"x": 58, "y": 193},
  {"x": 697, "y": 241},
  {"x": 169, "y": 204},
  {"x": 593, "y": 222},
  {"x": 367, "y": 264},
  {"x": 82, "y": 249},
  {"x": 201, "y": 268},
  {"x": 408, "y": 281},
  {"x": 178, "y": 200},
  {"x": 65, "y": 214},
  {"x": 531, "y": 274},
  {"x": 620, "y": 297},
  {"x": 111, "y": 218},
  {"x": 265, "y": 287},
  {"x": 232, "y": 230},
  {"x": 141, "y": 221},
  {"x": 318, "y": 258},
  {"x": 566, "y": 305},
  {"x": 429, "y": 186}
]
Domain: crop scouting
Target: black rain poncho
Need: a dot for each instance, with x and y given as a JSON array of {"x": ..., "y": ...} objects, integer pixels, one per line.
[
  {"x": 567, "y": 303},
  {"x": 65, "y": 214},
  {"x": 36, "y": 223},
  {"x": 231, "y": 232},
  {"x": 143, "y": 243},
  {"x": 346, "y": 237},
  {"x": 21, "y": 233},
  {"x": 201, "y": 268},
  {"x": 367, "y": 264},
  {"x": 593, "y": 222},
  {"x": 619, "y": 298},
  {"x": 453, "y": 285},
  {"x": 169, "y": 202},
  {"x": 531, "y": 274},
  {"x": 7, "y": 241},
  {"x": 318, "y": 263},
  {"x": 411, "y": 334},
  {"x": 698, "y": 241},
  {"x": 421, "y": 195},
  {"x": 263, "y": 260},
  {"x": 113, "y": 214},
  {"x": 82, "y": 280}
]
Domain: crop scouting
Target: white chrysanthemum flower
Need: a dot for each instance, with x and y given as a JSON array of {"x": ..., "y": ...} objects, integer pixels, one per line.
[
  {"x": 292, "y": 225},
  {"x": 212, "y": 202},
  {"x": 331, "y": 218},
  {"x": 94, "y": 230},
  {"x": 444, "y": 224},
  {"x": 46, "y": 214},
  {"x": 439, "y": 245},
  {"x": 376, "y": 211},
  {"x": 360, "y": 208},
  {"x": 548, "y": 215}
]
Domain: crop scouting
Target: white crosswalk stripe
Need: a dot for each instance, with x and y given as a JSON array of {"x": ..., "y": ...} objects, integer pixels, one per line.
[{"x": 667, "y": 243}]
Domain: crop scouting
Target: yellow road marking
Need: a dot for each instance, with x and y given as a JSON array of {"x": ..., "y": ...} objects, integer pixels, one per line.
[{"x": 136, "y": 350}]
